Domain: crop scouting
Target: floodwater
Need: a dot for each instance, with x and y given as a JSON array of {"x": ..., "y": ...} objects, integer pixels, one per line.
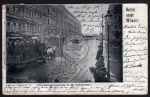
[{"x": 60, "y": 69}]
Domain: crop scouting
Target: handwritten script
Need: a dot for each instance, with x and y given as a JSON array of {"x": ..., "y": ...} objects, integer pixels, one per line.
[
  {"x": 135, "y": 57},
  {"x": 90, "y": 17},
  {"x": 135, "y": 49}
]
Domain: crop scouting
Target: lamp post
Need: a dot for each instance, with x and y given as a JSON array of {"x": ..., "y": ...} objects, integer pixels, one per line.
[
  {"x": 102, "y": 32},
  {"x": 108, "y": 23}
]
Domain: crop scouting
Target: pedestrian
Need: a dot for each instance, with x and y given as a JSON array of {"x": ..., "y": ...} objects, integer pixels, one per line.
[
  {"x": 30, "y": 49},
  {"x": 9, "y": 52},
  {"x": 12, "y": 45},
  {"x": 36, "y": 48},
  {"x": 40, "y": 48},
  {"x": 99, "y": 75},
  {"x": 100, "y": 62},
  {"x": 17, "y": 48},
  {"x": 27, "y": 49},
  {"x": 33, "y": 48},
  {"x": 43, "y": 48},
  {"x": 23, "y": 50},
  {"x": 99, "y": 52}
]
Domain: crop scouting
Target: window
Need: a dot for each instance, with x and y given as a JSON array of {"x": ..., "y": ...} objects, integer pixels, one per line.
[
  {"x": 24, "y": 12},
  {"x": 11, "y": 26},
  {"x": 39, "y": 28},
  {"x": 22, "y": 27},
  {"x": 8, "y": 9},
  {"x": 28, "y": 14},
  {"x": 33, "y": 28},
  {"x": 36, "y": 16},
  {"x": 14, "y": 26},
  {"x": 43, "y": 20},
  {"x": 31, "y": 14},
  {"x": 8, "y": 26},
  {"x": 50, "y": 20},
  {"x": 13, "y": 9},
  {"x": 48, "y": 11},
  {"x": 30, "y": 27},
  {"x": 45, "y": 10},
  {"x": 16, "y": 11},
  {"x": 17, "y": 27},
  {"x": 27, "y": 27},
  {"x": 19, "y": 12},
  {"x": 53, "y": 12},
  {"x": 36, "y": 28},
  {"x": 40, "y": 18}
]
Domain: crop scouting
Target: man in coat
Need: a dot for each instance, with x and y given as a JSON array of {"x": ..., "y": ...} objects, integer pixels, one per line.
[
  {"x": 100, "y": 62},
  {"x": 43, "y": 48},
  {"x": 99, "y": 52},
  {"x": 17, "y": 48},
  {"x": 99, "y": 74}
]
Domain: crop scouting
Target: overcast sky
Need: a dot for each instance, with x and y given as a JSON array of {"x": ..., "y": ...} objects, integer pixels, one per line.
[{"x": 87, "y": 13}]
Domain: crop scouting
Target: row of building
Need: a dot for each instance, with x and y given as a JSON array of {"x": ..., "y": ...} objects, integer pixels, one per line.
[{"x": 48, "y": 20}]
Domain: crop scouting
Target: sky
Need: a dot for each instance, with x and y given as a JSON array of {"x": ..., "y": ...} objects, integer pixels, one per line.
[{"x": 90, "y": 16}]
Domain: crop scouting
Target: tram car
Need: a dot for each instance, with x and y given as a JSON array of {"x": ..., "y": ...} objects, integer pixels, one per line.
[{"x": 20, "y": 52}]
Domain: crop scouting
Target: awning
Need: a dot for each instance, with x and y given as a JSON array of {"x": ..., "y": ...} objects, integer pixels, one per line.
[{"x": 15, "y": 38}]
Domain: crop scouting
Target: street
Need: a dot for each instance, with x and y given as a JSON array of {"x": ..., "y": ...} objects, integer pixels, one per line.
[{"x": 60, "y": 69}]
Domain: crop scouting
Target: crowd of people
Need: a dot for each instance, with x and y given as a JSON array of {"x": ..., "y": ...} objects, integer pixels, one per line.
[{"x": 26, "y": 49}]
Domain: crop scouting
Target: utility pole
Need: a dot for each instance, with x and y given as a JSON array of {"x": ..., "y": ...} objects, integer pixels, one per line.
[
  {"x": 102, "y": 32},
  {"x": 108, "y": 23},
  {"x": 108, "y": 66}
]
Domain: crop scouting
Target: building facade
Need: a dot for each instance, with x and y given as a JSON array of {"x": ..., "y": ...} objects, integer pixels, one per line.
[
  {"x": 114, "y": 28},
  {"x": 51, "y": 22}
]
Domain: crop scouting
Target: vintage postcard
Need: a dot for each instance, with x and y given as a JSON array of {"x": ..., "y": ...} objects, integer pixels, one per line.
[{"x": 67, "y": 49}]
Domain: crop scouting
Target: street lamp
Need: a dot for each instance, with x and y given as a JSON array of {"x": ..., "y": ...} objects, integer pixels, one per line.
[
  {"x": 108, "y": 23},
  {"x": 102, "y": 32}
]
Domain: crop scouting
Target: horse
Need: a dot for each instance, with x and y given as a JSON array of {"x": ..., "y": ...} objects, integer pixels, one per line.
[{"x": 50, "y": 52}]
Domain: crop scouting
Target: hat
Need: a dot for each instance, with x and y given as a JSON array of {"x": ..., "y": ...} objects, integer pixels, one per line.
[{"x": 99, "y": 46}]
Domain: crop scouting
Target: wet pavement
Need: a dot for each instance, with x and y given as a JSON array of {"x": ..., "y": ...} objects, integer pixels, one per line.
[{"x": 60, "y": 69}]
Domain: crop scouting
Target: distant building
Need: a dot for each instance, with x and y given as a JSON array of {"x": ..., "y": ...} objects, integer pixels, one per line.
[
  {"x": 41, "y": 20},
  {"x": 115, "y": 41}
]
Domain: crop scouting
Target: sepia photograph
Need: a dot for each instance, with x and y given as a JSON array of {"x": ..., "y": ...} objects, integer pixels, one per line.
[{"x": 65, "y": 43}]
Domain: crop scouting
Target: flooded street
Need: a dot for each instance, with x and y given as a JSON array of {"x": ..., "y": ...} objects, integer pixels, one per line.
[{"x": 60, "y": 69}]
